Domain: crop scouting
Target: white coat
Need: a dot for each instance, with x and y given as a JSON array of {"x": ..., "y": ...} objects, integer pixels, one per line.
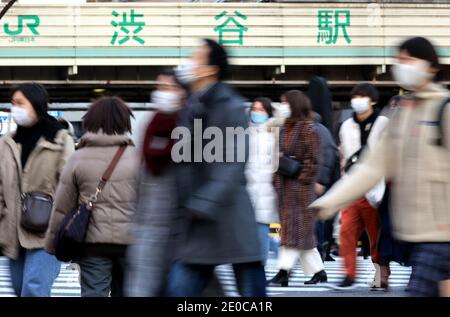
[{"x": 262, "y": 164}]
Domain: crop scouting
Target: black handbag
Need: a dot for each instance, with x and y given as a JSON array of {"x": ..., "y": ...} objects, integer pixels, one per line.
[
  {"x": 70, "y": 238},
  {"x": 288, "y": 165},
  {"x": 36, "y": 211}
]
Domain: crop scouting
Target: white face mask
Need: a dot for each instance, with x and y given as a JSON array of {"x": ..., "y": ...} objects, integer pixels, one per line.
[
  {"x": 360, "y": 105},
  {"x": 21, "y": 116},
  {"x": 284, "y": 110},
  {"x": 165, "y": 101},
  {"x": 186, "y": 73},
  {"x": 411, "y": 76}
]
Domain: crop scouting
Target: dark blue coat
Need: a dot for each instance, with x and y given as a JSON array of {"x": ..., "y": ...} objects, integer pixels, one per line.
[{"x": 329, "y": 155}]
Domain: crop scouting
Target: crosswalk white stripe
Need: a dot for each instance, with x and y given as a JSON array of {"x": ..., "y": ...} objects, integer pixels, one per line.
[
  {"x": 66, "y": 285},
  {"x": 335, "y": 272}
]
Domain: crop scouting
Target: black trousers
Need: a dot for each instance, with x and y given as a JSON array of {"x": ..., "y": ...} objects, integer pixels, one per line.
[
  {"x": 325, "y": 240},
  {"x": 365, "y": 244},
  {"x": 101, "y": 276}
]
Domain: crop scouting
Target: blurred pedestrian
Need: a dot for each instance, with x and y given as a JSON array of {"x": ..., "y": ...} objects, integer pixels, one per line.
[
  {"x": 220, "y": 225},
  {"x": 389, "y": 248},
  {"x": 414, "y": 154},
  {"x": 261, "y": 166},
  {"x": 107, "y": 124},
  {"x": 394, "y": 102},
  {"x": 32, "y": 160},
  {"x": 150, "y": 255},
  {"x": 299, "y": 141}
]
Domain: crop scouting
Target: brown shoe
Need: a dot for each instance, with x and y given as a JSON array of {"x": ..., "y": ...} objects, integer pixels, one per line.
[{"x": 385, "y": 273}]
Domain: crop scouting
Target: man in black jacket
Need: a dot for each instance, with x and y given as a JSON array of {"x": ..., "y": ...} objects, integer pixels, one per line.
[{"x": 218, "y": 223}]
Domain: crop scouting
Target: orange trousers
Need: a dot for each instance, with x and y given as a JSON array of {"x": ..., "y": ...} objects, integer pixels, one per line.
[{"x": 356, "y": 218}]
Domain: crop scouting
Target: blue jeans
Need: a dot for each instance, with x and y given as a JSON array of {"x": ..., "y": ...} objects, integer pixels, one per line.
[
  {"x": 274, "y": 243},
  {"x": 33, "y": 273},
  {"x": 189, "y": 280},
  {"x": 264, "y": 239}
]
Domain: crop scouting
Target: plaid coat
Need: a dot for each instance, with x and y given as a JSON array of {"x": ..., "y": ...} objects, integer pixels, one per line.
[
  {"x": 295, "y": 195},
  {"x": 150, "y": 255}
]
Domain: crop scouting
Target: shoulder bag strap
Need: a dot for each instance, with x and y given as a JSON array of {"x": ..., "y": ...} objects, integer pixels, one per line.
[
  {"x": 440, "y": 139},
  {"x": 106, "y": 176}
]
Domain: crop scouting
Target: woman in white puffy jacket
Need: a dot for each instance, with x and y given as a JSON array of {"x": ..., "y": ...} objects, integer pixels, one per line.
[{"x": 261, "y": 166}]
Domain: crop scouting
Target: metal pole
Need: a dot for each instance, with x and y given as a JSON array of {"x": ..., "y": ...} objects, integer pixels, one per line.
[{"x": 6, "y": 8}]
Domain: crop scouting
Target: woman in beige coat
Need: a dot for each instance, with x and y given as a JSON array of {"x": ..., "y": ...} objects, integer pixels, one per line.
[
  {"x": 413, "y": 153},
  {"x": 107, "y": 124},
  {"x": 31, "y": 160}
]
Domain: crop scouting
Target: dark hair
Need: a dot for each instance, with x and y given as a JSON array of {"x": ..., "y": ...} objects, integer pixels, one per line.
[
  {"x": 64, "y": 123},
  {"x": 217, "y": 57},
  {"x": 420, "y": 47},
  {"x": 394, "y": 100},
  {"x": 109, "y": 114},
  {"x": 365, "y": 90},
  {"x": 300, "y": 106},
  {"x": 167, "y": 72},
  {"x": 36, "y": 95},
  {"x": 266, "y": 103}
]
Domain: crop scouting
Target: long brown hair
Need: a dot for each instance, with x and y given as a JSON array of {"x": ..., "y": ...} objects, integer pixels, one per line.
[{"x": 300, "y": 106}]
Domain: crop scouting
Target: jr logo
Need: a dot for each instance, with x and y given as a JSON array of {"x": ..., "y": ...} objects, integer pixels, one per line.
[{"x": 32, "y": 24}]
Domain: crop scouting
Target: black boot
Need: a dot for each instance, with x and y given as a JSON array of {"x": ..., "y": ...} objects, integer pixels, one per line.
[
  {"x": 323, "y": 250},
  {"x": 319, "y": 277},
  {"x": 328, "y": 257},
  {"x": 347, "y": 283},
  {"x": 281, "y": 278}
]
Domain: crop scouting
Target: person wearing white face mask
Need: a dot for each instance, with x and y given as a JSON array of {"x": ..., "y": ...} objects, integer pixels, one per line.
[
  {"x": 357, "y": 133},
  {"x": 148, "y": 257},
  {"x": 299, "y": 141},
  {"x": 32, "y": 160},
  {"x": 220, "y": 226},
  {"x": 167, "y": 101},
  {"x": 414, "y": 153}
]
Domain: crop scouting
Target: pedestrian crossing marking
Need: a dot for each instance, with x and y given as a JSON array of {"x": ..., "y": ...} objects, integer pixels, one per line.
[{"x": 67, "y": 283}]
